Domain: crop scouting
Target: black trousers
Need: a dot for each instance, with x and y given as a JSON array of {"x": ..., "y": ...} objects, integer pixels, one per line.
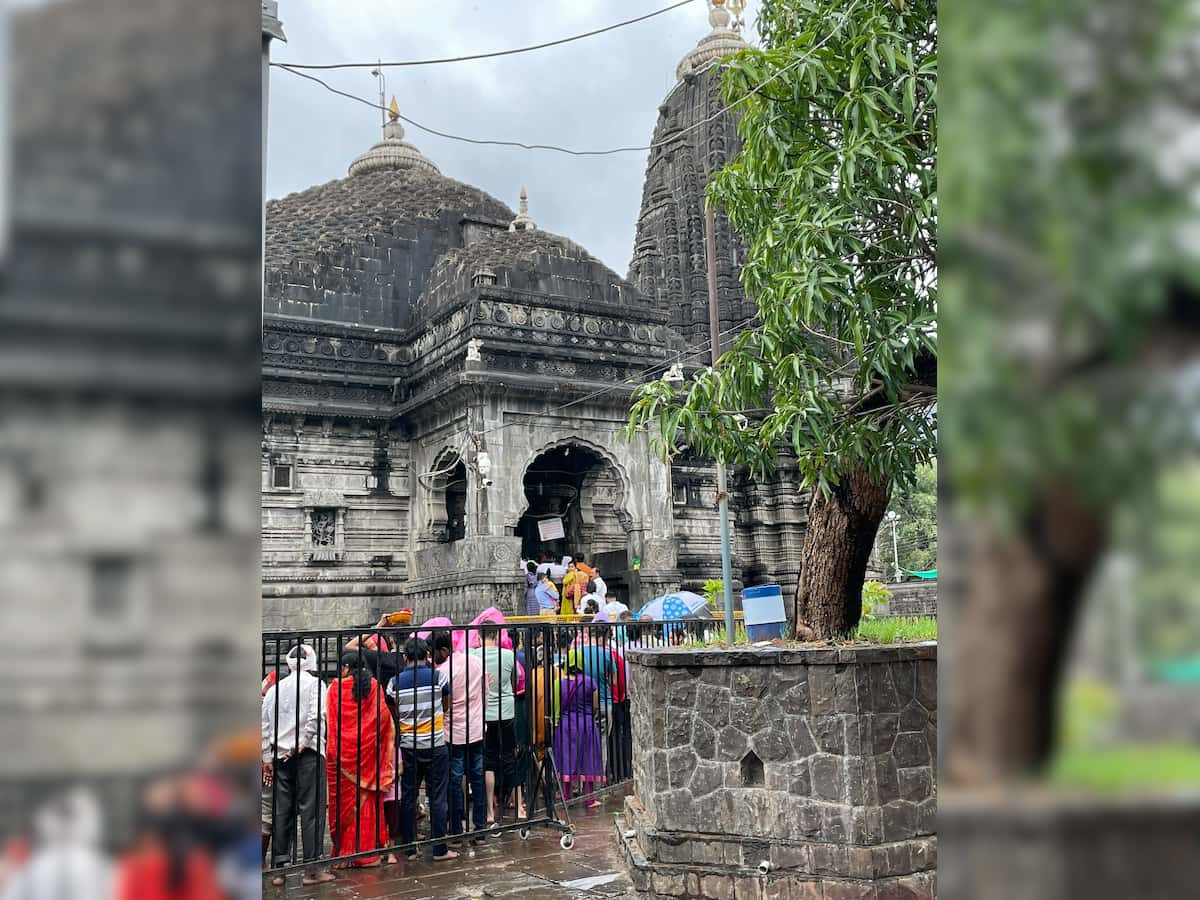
[
  {"x": 299, "y": 790},
  {"x": 620, "y": 743}
]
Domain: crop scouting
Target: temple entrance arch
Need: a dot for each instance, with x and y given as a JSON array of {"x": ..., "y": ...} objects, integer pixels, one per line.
[
  {"x": 583, "y": 486},
  {"x": 447, "y": 498}
]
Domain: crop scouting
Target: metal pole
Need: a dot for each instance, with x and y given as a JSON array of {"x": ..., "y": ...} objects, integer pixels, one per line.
[
  {"x": 895, "y": 548},
  {"x": 714, "y": 330}
]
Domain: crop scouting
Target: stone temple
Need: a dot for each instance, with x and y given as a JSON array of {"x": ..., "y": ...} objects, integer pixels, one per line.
[{"x": 440, "y": 376}]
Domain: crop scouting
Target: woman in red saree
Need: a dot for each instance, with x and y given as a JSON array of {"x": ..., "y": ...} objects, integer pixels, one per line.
[{"x": 360, "y": 760}]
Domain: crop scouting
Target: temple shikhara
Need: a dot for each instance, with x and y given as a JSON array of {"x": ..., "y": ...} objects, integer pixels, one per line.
[{"x": 441, "y": 377}]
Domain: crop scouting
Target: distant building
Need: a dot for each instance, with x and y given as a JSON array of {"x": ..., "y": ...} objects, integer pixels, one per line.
[{"x": 441, "y": 377}]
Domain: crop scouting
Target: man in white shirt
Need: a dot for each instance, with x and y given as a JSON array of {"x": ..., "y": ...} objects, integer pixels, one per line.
[
  {"x": 68, "y": 859},
  {"x": 612, "y": 607},
  {"x": 293, "y": 747}
]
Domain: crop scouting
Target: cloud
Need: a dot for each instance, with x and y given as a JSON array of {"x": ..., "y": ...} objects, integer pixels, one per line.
[{"x": 597, "y": 93}]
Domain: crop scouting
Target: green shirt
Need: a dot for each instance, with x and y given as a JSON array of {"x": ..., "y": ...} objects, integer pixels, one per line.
[{"x": 499, "y": 664}]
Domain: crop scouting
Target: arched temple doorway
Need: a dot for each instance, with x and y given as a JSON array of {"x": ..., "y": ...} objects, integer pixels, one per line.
[
  {"x": 574, "y": 483},
  {"x": 447, "y": 499}
]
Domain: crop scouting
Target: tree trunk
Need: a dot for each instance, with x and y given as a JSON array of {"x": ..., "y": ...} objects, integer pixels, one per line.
[
  {"x": 833, "y": 559},
  {"x": 1021, "y": 594}
]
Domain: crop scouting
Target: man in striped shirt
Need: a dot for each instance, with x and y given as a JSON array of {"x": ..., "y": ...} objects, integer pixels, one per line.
[{"x": 421, "y": 694}]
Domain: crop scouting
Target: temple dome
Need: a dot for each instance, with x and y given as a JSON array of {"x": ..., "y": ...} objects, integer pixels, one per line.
[
  {"x": 716, "y": 45},
  {"x": 358, "y": 250},
  {"x": 526, "y": 261},
  {"x": 322, "y": 218},
  {"x": 393, "y": 152},
  {"x": 393, "y": 246}
]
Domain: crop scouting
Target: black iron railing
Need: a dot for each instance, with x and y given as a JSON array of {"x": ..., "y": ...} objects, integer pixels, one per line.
[{"x": 501, "y": 727}]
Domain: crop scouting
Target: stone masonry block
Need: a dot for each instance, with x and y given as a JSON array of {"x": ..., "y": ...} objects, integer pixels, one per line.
[
  {"x": 840, "y": 794},
  {"x": 911, "y": 749},
  {"x": 828, "y": 778},
  {"x": 916, "y": 784}
]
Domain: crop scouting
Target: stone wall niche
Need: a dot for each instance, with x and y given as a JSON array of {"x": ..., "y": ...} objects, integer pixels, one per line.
[
  {"x": 324, "y": 527},
  {"x": 783, "y": 773}
]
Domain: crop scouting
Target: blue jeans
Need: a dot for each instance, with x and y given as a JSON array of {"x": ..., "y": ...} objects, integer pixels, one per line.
[
  {"x": 432, "y": 766},
  {"x": 467, "y": 758}
]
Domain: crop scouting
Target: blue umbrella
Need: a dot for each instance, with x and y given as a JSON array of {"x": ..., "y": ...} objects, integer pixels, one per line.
[{"x": 672, "y": 607}]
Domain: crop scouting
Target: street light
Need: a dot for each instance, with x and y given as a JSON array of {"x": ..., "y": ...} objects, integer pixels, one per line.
[{"x": 894, "y": 517}]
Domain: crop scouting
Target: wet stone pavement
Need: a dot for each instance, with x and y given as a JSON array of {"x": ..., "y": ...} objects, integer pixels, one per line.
[{"x": 506, "y": 866}]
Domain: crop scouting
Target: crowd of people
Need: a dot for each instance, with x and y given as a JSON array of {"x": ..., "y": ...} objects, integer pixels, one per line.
[
  {"x": 569, "y": 587},
  {"x": 476, "y": 718},
  {"x": 193, "y": 838}
]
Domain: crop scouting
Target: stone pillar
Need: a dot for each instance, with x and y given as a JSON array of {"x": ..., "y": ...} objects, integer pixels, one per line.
[{"x": 783, "y": 773}]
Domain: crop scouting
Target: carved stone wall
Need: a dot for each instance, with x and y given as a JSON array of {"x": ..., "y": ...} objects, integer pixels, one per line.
[
  {"x": 767, "y": 519},
  {"x": 335, "y": 466},
  {"x": 669, "y": 262},
  {"x": 462, "y": 578}
]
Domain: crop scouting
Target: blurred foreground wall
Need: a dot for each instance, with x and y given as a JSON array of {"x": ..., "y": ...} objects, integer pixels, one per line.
[{"x": 129, "y": 316}]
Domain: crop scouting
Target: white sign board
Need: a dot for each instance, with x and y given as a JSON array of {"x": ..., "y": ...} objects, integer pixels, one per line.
[
  {"x": 551, "y": 529},
  {"x": 763, "y": 610}
]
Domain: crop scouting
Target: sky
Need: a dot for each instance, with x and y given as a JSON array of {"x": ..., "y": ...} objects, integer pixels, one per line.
[{"x": 600, "y": 92}]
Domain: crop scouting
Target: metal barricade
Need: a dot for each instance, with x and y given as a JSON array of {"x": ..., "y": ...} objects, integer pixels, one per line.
[{"x": 504, "y": 727}]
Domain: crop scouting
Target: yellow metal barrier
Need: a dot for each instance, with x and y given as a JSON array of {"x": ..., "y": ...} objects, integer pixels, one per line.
[{"x": 552, "y": 619}]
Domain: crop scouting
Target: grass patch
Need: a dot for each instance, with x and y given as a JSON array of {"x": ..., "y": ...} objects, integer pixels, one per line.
[
  {"x": 1120, "y": 769},
  {"x": 716, "y": 637},
  {"x": 896, "y": 630}
]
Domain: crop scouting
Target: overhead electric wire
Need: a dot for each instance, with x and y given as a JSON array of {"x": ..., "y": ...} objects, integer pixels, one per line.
[
  {"x": 673, "y": 138},
  {"x": 493, "y": 54}
]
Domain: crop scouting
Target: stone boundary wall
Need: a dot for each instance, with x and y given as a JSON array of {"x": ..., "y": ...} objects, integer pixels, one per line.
[
  {"x": 1039, "y": 845},
  {"x": 911, "y": 598},
  {"x": 783, "y": 773}
]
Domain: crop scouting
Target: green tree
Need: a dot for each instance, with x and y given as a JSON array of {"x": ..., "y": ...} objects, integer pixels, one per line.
[
  {"x": 834, "y": 193},
  {"x": 916, "y": 528},
  {"x": 1069, "y": 284},
  {"x": 1068, "y": 271},
  {"x": 1167, "y": 617}
]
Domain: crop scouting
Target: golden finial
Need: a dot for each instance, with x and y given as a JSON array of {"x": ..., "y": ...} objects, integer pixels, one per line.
[
  {"x": 737, "y": 7},
  {"x": 393, "y": 109}
]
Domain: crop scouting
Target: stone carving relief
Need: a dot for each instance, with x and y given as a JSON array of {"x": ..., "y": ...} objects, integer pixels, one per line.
[
  {"x": 660, "y": 555},
  {"x": 473, "y": 554},
  {"x": 324, "y": 527}
]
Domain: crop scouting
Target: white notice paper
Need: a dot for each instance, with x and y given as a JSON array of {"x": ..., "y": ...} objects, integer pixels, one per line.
[{"x": 551, "y": 529}]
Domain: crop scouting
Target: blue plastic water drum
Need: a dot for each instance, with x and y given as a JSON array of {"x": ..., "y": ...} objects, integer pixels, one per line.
[{"x": 764, "y": 614}]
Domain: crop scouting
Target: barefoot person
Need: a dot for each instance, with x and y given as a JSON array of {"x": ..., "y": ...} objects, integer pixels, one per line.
[
  {"x": 468, "y": 690},
  {"x": 577, "y": 752},
  {"x": 499, "y": 735},
  {"x": 293, "y": 747},
  {"x": 360, "y": 760},
  {"x": 422, "y": 695}
]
